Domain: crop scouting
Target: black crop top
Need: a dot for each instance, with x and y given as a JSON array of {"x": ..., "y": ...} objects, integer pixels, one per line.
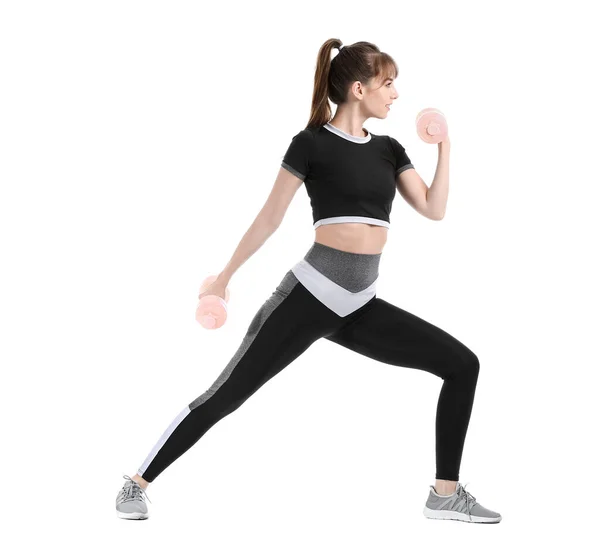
[{"x": 348, "y": 178}]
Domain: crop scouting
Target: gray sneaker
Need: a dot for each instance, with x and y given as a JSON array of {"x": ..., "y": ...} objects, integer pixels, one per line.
[
  {"x": 460, "y": 506},
  {"x": 131, "y": 502}
]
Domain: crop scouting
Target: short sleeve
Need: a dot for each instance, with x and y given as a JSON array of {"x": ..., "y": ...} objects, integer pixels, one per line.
[
  {"x": 297, "y": 158},
  {"x": 402, "y": 160}
]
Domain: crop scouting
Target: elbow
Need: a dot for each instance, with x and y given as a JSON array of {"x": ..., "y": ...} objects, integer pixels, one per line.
[
  {"x": 274, "y": 220},
  {"x": 268, "y": 219},
  {"x": 431, "y": 212},
  {"x": 434, "y": 215},
  {"x": 272, "y": 223}
]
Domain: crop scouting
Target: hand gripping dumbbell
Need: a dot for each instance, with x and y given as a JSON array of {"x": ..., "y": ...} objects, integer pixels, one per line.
[{"x": 211, "y": 312}]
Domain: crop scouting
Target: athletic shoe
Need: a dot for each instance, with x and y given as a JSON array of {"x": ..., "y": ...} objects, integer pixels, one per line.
[
  {"x": 460, "y": 506},
  {"x": 131, "y": 502}
]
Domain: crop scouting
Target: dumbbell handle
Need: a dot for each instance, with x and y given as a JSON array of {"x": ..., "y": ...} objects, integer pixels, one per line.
[
  {"x": 431, "y": 125},
  {"x": 433, "y": 129}
]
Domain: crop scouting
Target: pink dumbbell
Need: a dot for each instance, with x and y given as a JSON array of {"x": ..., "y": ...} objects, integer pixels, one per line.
[
  {"x": 431, "y": 125},
  {"x": 211, "y": 312}
]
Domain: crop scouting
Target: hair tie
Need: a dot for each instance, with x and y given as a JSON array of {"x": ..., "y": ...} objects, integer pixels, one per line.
[{"x": 340, "y": 48}]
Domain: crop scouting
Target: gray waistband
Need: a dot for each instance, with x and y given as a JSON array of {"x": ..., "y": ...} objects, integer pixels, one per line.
[{"x": 352, "y": 271}]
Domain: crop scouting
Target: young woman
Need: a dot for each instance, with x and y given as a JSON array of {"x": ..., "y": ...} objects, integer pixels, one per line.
[{"x": 351, "y": 177}]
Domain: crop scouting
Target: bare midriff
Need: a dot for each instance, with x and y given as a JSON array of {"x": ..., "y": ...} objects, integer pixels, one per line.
[{"x": 355, "y": 237}]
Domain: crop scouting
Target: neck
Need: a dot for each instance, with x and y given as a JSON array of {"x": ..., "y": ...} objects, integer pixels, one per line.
[{"x": 350, "y": 124}]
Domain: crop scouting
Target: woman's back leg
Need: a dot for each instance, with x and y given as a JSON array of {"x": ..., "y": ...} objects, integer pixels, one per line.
[{"x": 285, "y": 326}]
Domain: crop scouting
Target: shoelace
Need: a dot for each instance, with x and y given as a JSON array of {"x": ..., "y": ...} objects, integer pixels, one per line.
[
  {"x": 468, "y": 497},
  {"x": 133, "y": 491}
]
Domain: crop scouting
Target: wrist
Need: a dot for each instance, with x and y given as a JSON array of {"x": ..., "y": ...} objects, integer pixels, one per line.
[{"x": 223, "y": 278}]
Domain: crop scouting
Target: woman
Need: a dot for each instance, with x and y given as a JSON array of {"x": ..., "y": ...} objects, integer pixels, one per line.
[{"x": 351, "y": 177}]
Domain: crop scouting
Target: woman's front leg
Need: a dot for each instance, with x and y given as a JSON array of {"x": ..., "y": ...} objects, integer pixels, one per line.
[{"x": 394, "y": 336}]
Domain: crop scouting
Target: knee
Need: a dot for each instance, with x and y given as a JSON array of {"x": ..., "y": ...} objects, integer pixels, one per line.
[
  {"x": 471, "y": 366},
  {"x": 466, "y": 367}
]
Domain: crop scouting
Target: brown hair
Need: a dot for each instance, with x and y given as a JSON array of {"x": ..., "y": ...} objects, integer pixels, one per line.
[{"x": 361, "y": 61}]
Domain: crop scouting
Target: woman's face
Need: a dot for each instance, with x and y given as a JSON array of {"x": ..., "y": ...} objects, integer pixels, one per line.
[{"x": 377, "y": 97}]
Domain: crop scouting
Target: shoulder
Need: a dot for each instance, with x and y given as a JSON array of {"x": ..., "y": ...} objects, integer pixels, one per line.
[
  {"x": 386, "y": 141},
  {"x": 397, "y": 147},
  {"x": 393, "y": 141},
  {"x": 305, "y": 137},
  {"x": 308, "y": 133}
]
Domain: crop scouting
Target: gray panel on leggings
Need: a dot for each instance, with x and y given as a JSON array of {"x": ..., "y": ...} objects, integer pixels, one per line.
[
  {"x": 352, "y": 271},
  {"x": 281, "y": 292}
]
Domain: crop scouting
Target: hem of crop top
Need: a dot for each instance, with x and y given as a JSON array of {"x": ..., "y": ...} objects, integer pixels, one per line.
[{"x": 340, "y": 219}]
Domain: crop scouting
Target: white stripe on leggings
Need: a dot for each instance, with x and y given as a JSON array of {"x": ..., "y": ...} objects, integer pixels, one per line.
[
  {"x": 182, "y": 415},
  {"x": 332, "y": 295}
]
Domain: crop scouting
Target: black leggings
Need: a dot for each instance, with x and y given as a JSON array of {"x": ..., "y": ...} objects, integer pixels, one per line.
[{"x": 331, "y": 294}]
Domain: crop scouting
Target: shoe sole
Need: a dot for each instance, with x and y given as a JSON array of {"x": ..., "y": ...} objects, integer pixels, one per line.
[
  {"x": 458, "y": 516},
  {"x": 132, "y": 515}
]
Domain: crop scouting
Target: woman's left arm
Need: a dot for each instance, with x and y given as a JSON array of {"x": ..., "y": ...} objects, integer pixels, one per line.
[{"x": 437, "y": 195}]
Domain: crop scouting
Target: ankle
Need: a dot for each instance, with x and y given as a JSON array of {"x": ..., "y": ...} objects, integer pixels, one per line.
[
  {"x": 444, "y": 487},
  {"x": 142, "y": 482}
]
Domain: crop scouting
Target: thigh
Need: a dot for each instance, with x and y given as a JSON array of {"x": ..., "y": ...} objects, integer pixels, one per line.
[
  {"x": 392, "y": 335},
  {"x": 284, "y": 326}
]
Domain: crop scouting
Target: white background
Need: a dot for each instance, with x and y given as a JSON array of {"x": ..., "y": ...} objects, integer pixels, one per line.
[{"x": 139, "y": 140}]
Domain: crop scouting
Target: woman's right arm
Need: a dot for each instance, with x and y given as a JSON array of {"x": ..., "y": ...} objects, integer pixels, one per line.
[{"x": 268, "y": 220}]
